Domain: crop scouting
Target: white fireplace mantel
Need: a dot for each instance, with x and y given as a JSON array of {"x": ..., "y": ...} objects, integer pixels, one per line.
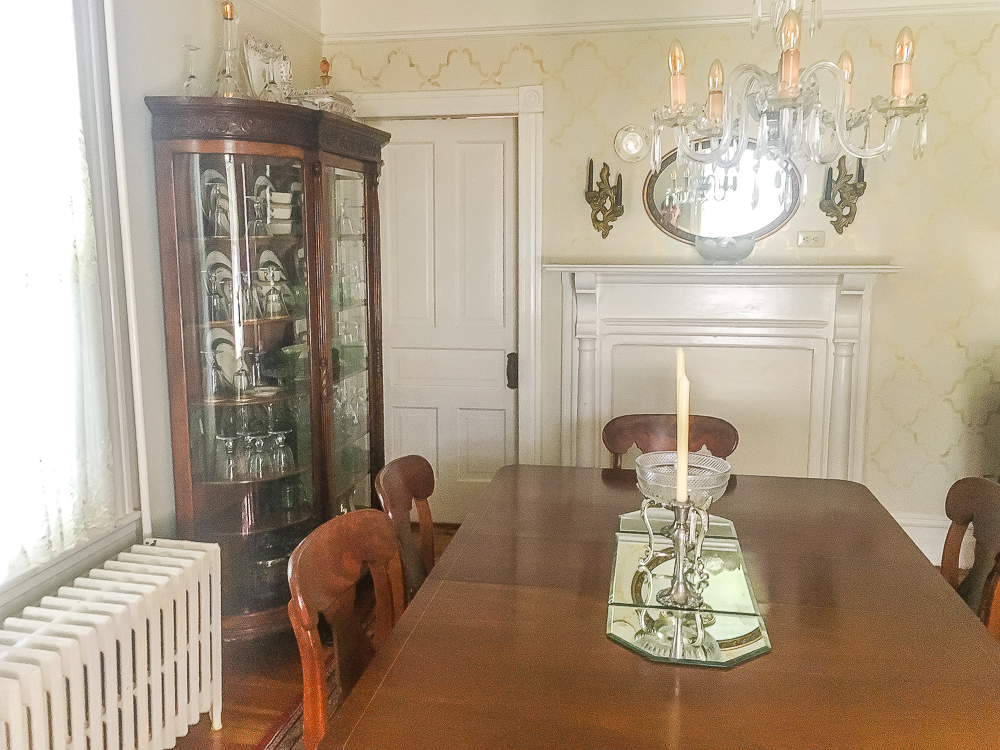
[{"x": 780, "y": 351}]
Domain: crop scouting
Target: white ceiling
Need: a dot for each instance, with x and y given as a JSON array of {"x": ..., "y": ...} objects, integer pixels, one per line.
[{"x": 342, "y": 20}]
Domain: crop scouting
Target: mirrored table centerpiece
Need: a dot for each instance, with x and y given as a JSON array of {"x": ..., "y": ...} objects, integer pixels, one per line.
[{"x": 680, "y": 591}]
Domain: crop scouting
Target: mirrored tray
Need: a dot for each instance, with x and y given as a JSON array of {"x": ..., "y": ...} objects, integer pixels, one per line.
[
  {"x": 726, "y": 630},
  {"x": 259, "y": 52}
]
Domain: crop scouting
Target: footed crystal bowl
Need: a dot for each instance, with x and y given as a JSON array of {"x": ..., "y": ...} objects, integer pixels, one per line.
[{"x": 708, "y": 477}]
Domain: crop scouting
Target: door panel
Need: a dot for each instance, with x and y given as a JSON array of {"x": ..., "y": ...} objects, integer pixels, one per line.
[
  {"x": 450, "y": 310},
  {"x": 408, "y": 234}
]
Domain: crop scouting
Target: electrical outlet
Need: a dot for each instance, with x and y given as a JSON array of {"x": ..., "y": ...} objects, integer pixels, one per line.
[{"x": 812, "y": 239}]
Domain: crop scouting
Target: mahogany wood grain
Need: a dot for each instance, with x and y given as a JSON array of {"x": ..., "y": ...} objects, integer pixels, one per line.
[
  {"x": 403, "y": 483},
  {"x": 658, "y": 432},
  {"x": 975, "y": 500},
  {"x": 505, "y": 644},
  {"x": 189, "y": 134},
  {"x": 323, "y": 573}
]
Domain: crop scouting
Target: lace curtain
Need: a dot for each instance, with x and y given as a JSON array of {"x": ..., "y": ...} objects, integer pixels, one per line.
[{"x": 56, "y": 457}]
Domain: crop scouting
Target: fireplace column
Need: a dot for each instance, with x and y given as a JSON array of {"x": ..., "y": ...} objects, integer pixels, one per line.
[{"x": 585, "y": 334}]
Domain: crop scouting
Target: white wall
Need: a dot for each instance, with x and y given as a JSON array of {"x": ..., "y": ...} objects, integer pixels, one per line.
[
  {"x": 934, "y": 398},
  {"x": 151, "y": 61}
]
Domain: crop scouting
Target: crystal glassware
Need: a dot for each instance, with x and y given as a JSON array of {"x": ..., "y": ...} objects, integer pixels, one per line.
[
  {"x": 226, "y": 83},
  {"x": 270, "y": 92},
  {"x": 230, "y": 80},
  {"x": 192, "y": 86},
  {"x": 274, "y": 303},
  {"x": 656, "y": 472},
  {"x": 228, "y": 469},
  {"x": 282, "y": 460},
  {"x": 257, "y": 464}
]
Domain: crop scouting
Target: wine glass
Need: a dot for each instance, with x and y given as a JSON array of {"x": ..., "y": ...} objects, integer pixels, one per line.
[
  {"x": 218, "y": 306},
  {"x": 257, "y": 464},
  {"x": 192, "y": 86},
  {"x": 270, "y": 92},
  {"x": 274, "y": 303},
  {"x": 228, "y": 469},
  {"x": 282, "y": 460},
  {"x": 241, "y": 380}
]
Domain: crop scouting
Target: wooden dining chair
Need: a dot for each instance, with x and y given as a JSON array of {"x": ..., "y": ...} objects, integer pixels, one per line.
[
  {"x": 403, "y": 483},
  {"x": 323, "y": 572},
  {"x": 658, "y": 432},
  {"x": 975, "y": 500}
]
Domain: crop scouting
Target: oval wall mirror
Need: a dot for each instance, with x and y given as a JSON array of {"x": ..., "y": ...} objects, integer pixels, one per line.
[{"x": 694, "y": 203}]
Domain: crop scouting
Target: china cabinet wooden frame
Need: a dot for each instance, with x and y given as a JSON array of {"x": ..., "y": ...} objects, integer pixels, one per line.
[{"x": 269, "y": 241}]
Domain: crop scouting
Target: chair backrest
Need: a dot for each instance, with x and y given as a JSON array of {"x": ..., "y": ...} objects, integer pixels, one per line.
[
  {"x": 658, "y": 432},
  {"x": 975, "y": 500},
  {"x": 322, "y": 573},
  {"x": 403, "y": 483}
]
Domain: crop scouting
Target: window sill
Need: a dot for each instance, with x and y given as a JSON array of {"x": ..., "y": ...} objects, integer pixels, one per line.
[{"x": 27, "y": 588}]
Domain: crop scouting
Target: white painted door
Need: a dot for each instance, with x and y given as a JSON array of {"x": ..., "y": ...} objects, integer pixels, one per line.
[{"x": 447, "y": 198}]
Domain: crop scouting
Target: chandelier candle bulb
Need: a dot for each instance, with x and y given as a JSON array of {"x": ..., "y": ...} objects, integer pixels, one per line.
[
  {"x": 716, "y": 77},
  {"x": 790, "y": 31},
  {"x": 846, "y": 64},
  {"x": 683, "y": 422},
  {"x": 901, "y": 69},
  {"x": 675, "y": 62}
]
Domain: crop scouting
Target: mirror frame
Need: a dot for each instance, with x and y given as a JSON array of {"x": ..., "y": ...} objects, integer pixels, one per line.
[{"x": 685, "y": 236}]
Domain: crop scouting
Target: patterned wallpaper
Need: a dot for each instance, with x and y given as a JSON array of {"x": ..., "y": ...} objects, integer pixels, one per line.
[{"x": 934, "y": 398}]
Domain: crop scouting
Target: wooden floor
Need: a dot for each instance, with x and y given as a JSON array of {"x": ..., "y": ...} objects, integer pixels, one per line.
[{"x": 262, "y": 685}]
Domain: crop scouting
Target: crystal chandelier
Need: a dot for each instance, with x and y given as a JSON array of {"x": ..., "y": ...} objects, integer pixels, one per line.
[{"x": 783, "y": 112}]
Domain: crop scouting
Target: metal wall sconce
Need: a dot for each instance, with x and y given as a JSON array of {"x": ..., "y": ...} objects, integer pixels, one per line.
[
  {"x": 844, "y": 209},
  {"x": 606, "y": 201}
]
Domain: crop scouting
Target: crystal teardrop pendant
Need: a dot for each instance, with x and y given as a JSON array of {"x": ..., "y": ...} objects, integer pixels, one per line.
[
  {"x": 891, "y": 133},
  {"x": 920, "y": 138}
]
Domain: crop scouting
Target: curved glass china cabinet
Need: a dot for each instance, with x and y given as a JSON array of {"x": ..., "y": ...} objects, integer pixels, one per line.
[{"x": 269, "y": 247}]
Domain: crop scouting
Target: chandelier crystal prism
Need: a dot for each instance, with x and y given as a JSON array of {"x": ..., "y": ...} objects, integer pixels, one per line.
[{"x": 784, "y": 112}]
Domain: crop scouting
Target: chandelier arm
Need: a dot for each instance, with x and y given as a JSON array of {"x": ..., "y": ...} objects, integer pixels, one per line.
[
  {"x": 840, "y": 114},
  {"x": 735, "y": 111}
]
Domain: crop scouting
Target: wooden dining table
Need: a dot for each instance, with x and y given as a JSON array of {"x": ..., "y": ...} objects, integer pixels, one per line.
[{"x": 505, "y": 645}]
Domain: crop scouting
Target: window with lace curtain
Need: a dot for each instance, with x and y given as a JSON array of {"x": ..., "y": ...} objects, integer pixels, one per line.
[{"x": 67, "y": 446}]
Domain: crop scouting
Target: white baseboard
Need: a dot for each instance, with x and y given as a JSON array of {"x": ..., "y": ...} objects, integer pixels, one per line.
[{"x": 928, "y": 533}]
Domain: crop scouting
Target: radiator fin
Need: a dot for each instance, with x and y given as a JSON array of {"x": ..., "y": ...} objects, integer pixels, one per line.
[{"x": 126, "y": 658}]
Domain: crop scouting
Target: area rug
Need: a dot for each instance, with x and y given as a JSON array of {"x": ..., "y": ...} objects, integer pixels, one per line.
[{"x": 287, "y": 732}]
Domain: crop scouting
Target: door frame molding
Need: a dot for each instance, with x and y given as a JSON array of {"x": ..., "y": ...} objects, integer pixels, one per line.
[{"x": 525, "y": 104}]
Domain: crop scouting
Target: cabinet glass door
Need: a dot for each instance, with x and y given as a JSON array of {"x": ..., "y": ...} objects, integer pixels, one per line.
[
  {"x": 345, "y": 198},
  {"x": 245, "y": 329}
]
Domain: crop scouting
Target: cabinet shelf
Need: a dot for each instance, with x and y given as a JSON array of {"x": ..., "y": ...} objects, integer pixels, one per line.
[
  {"x": 280, "y": 320},
  {"x": 248, "y": 481},
  {"x": 208, "y": 180},
  {"x": 352, "y": 306},
  {"x": 343, "y": 374},
  {"x": 351, "y": 438},
  {"x": 257, "y": 238},
  {"x": 227, "y": 527}
]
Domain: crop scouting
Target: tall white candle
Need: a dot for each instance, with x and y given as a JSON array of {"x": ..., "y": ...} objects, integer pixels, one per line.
[{"x": 683, "y": 420}]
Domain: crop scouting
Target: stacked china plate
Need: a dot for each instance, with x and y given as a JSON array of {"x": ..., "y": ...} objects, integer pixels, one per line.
[{"x": 279, "y": 209}]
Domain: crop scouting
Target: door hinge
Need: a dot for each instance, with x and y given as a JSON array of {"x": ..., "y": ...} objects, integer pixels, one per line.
[{"x": 512, "y": 370}]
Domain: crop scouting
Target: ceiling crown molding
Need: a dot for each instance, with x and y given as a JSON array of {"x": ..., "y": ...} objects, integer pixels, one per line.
[
  {"x": 652, "y": 24},
  {"x": 275, "y": 9}
]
